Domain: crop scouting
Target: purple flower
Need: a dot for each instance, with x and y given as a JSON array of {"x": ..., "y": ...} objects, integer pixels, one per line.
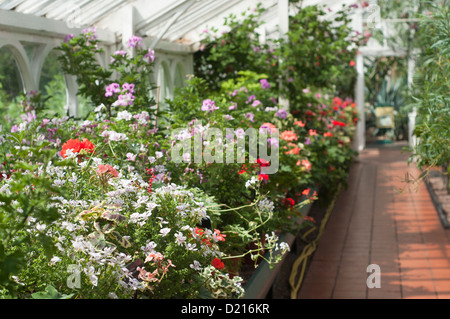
[
  {"x": 128, "y": 87},
  {"x": 150, "y": 56},
  {"x": 282, "y": 114},
  {"x": 68, "y": 37},
  {"x": 134, "y": 41},
  {"x": 232, "y": 106},
  {"x": 228, "y": 117},
  {"x": 307, "y": 141},
  {"x": 112, "y": 88},
  {"x": 256, "y": 103},
  {"x": 264, "y": 84},
  {"x": 250, "y": 98},
  {"x": 273, "y": 142},
  {"x": 209, "y": 106},
  {"x": 250, "y": 116}
]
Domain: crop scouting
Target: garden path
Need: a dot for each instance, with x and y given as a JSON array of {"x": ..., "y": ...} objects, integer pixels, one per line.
[{"x": 373, "y": 223}]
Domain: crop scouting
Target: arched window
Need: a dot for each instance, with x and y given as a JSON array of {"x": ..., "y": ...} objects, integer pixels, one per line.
[
  {"x": 165, "y": 84},
  {"x": 179, "y": 76},
  {"x": 52, "y": 85},
  {"x": 11, "y": 85}
]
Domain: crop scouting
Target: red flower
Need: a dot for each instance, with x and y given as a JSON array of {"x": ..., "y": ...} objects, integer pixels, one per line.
[
  {"x": 71, "y": 144},
  {"x": 338, "y": 123},
  {"x": 87, "y": 145},
  {"x": 262, "y": 162},
  {"x": 311, "y": 219},
  {"x": 328, "y": 134},
  {"x": 352, "y": 63},
  {"x": 306, "y": 192},
  {"x": 263, "y": 177},
  {"x": 76, "y": 146},
  {"x": 289, "y": 202},
  {"x": 217, "y": 263}
]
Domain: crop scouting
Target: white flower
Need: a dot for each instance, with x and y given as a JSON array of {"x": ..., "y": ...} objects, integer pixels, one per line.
[
  {"x": 187, "y": 157},
  {"x": 159, "y": 154},
  {"x": 124, "y": 115},
  {"x": 191, "y": 247},
  {"x": 164, "y": 231},
  {"x": 131, "y": 157},
  {"x": 54, "y": 260},
  {"x": 40, "y": 227},
  {"x": 251, "y": 181},
  {"x": 99, "y": 108},
  {"x": 266, "y": 205},
  {"x": 240, "y": 133},
  {"x": 195, "y": 265},
  {"x": 180, "y": 238}
]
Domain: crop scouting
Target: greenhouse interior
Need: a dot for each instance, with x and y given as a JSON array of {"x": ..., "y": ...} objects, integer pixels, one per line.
[{"x": 224, "y": 149}]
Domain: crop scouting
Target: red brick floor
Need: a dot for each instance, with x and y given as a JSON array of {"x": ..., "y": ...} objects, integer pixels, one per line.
[{"x": 381, "y": 220}]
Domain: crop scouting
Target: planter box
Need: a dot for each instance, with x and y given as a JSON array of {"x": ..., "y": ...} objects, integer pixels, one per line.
[{"x": 263, "y": 278}]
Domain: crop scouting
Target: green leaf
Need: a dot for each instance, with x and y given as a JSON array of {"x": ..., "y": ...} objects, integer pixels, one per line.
[{"x": 50, "y": 293}]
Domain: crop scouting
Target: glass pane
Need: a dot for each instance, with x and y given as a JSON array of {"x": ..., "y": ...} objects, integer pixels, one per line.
[
  {"x": 11, "y": 86},
  {"x": 179, "y": 76},
  {"x": 53, "y": 86}
]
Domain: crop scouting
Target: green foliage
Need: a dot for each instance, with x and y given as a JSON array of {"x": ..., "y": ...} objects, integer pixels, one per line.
[
  {"x": 238, "y": 48},
  {"x": 317, "y": 55},
  {"x": 432, "y": 86},
  {"x": 79, "y": 59}
]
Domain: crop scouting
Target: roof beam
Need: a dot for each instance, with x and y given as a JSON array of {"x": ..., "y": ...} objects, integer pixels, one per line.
[
  {"x": 26, "y": 23},
  {"x": 201, "y": 17},
  {"x": 160, "y": 17},
  {"x": 174, "y": 19}
]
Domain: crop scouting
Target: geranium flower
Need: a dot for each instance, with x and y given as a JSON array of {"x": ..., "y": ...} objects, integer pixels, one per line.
[
  {"x": 209, "y": 106},
  {"x": 306, "y": 164},
  {"x": 107, "y": 169},
  {"x": 217, "y": 263},
  {"x": 134, "y": 41},
  {"x": 268, "y": 127},
  {"x": 282, "y": 114},
  {"x": 262, "y": 162},
  {"x": 289, "y": 202},
  {"x": 338, "y": 123},
  {"x": 264, "y": 177},
  {"x": 299, "y": 123},
  {"x": 264, "y": 84},
  {"x": 293, "y": 151},
  {"x": 312, "y": 132},
  {"x": 76, "y": 146},
  {"x": 288, "y": 136},
  {"x": 218, "y": 236},
  {"x": 328, "y": 134}
]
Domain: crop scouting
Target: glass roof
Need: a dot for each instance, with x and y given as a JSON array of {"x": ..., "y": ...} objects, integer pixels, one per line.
[{"x": 171, "y": 20}]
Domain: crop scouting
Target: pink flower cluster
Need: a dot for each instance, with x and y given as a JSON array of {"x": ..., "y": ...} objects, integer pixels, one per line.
[{"x": 126, "y": 97}]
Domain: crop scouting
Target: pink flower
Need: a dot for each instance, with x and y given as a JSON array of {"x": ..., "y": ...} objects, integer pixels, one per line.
[
  {"x": 264, "y": 84},
  {"x": 107, "y": 169},
  {"x": 134, "y": 41}
]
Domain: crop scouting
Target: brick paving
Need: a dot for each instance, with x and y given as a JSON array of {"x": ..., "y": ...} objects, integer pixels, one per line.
[{"x": 375, "y": 223}]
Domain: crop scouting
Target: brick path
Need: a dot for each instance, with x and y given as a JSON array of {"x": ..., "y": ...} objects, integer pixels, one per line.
[{"x": 372, "y": 223}]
